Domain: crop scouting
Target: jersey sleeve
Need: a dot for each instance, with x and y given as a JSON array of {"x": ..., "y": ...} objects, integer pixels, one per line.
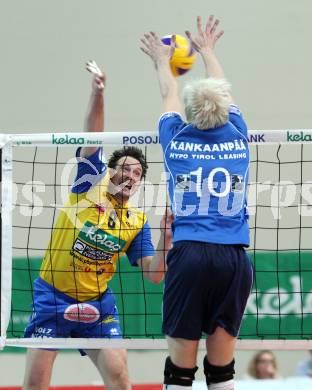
[
  {"x": 141, "y": 246},
  {"x": 169, "y": 124},
  {"x": 236, "y": 118},
  {"x": 90, "y": 171}
]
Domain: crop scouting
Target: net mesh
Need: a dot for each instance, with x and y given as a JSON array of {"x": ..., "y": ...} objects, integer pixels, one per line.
[{"x": 280, "y": 207}]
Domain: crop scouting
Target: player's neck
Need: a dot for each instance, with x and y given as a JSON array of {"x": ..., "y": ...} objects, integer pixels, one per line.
[{"x": 120, "y": 199}]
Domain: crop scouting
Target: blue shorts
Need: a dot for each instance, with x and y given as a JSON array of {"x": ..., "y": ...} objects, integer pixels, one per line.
[
  {"x": 58, "y": 315},
  {"x": 206, "y": 286}
]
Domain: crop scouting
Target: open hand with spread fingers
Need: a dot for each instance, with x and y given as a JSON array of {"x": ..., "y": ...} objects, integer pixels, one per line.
[
  {"x": 99, "y": 78},
  {"x": 206, "y": 38},
  {"x": 155, "y": 49}
]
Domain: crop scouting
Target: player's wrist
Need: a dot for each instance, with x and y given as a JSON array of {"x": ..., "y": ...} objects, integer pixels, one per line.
[
  {"x": 162, "y": 61},
  {"x": 98, "y": 91},
  {"x": 207, "y": 52}
]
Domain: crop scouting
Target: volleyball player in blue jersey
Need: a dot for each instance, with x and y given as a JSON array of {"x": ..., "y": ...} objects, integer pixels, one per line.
[{"x": 206, "y": 156}]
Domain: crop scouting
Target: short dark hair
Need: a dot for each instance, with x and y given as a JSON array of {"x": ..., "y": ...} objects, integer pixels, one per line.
[{"x": 131, "y": 151}]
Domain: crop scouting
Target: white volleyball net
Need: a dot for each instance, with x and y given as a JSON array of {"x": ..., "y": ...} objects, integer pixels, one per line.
[{"x": 37, "y": 173}]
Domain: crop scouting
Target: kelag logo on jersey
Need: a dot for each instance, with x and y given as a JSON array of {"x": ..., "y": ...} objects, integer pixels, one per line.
[
  {"x": 99, "y": 238},
  {"x": 96, "y": 244}
]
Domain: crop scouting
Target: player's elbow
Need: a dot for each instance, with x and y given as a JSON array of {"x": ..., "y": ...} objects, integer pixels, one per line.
[
  {"x": 155, "y": 276},
  {"x": 158, "y": 277}
]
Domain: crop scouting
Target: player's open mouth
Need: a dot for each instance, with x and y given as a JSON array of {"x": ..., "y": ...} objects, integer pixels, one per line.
[{"x": 125, "y": 185}]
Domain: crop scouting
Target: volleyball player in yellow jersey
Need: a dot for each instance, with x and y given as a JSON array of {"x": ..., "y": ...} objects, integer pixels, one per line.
[{"x": 96, "y": 225}]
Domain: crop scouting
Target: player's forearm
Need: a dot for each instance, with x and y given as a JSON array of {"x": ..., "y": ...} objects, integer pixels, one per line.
[
  {"x": 157, "y": 266},
  {"x": 167, "y": 82},
  {"x": 212, "y": 65},
  {"x": 94, "y": 121}
]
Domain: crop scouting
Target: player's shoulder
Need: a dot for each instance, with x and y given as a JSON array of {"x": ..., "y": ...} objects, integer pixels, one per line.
[
  {"x": 237, "y": 120},
  {"x": 136, "y": 216},
  {"x": 235, "y": 109},
  {"x": 74, "y": 198},
  {"x": 171, "y": 114},
  {"x": 169, "y": 125},
  {"x": 170, "y": 117}
]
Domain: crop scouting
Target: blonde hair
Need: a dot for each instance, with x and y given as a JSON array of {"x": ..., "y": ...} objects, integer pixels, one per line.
[{"x": 207, "y": 102}]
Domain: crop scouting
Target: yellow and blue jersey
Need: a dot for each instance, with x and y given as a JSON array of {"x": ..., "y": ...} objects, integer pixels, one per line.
[
  {"x": 208, "y": 175},
  {"x": 91, "y": 233}
]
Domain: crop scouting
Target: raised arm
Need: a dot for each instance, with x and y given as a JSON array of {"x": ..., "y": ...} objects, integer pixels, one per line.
[
  {"x": 204, "y": 43},
  {"x": 160, "y": 54},
  {"x": 94, "y": 121},
  {"x": 154, "y": 267}
]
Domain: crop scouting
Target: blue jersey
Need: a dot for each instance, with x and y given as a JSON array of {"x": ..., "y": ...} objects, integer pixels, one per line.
[{"x": 208, "y": 175}]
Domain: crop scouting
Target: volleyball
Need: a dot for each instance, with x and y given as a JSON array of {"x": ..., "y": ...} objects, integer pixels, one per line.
[{"x": 183, "y": 57}]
